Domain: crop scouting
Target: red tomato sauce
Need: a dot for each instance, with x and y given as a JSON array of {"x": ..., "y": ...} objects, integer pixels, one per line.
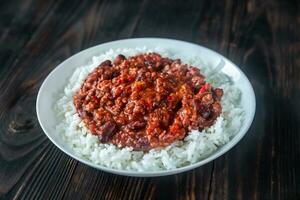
[{"x": 146, "y": 101}]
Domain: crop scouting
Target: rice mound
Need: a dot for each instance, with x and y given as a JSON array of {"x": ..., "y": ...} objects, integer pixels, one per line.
[{"x": 195, "y": 146}]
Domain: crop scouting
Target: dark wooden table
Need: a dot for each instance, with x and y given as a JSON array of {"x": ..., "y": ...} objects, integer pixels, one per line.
[{"x": 262, "y": 37}]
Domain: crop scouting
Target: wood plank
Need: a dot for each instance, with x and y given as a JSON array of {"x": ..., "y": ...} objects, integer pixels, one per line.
[
  {"x": 16, "y": 31},
  {"x": 264, "y": 164}
]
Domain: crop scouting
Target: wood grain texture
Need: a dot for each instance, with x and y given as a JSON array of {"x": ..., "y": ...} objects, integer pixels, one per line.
[{"x": 262, "y": 37}]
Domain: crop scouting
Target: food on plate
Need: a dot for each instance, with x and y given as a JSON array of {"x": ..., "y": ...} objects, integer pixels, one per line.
[
  {"x": 142, "y": 109},
  {"x": 146, "y": 101}
]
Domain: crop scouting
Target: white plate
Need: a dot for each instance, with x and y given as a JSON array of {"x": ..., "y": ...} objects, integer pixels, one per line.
[{"x": 58, "y": 78}]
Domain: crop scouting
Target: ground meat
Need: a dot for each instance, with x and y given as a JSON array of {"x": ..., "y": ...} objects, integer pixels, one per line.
[{"x": 146, "y": 101}]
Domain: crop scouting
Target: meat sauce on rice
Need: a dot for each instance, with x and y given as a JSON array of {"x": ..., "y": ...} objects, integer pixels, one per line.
[{"x": 146, "y": 101}]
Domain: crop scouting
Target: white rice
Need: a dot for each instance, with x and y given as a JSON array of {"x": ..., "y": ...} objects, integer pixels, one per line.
[{"x": 195, "y": 147}]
